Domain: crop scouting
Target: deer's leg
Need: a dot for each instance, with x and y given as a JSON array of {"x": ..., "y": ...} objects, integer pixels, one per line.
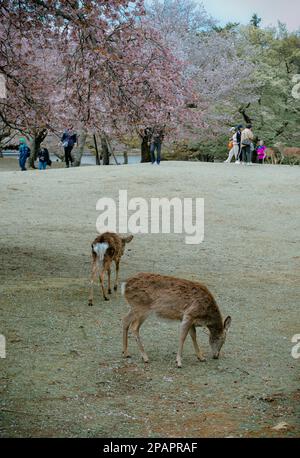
[
  {"x": 198, "y": 352},
  {"x": 93, "y": 278},
  {"x": 184, "y": 329},
  {"x": 108, "y": 276},
  {"x": 117, "y": 262},
  {"x": 102, "y": 284},
  {"x": 135, "y": 329},
  {"x": 127, "y": 320}
]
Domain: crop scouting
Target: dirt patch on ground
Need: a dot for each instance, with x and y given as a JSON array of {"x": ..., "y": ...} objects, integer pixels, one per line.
[{"x": 64, "y": 375}]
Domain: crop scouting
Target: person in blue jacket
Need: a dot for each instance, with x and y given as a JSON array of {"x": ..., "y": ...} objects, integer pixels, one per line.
[
  {"x": 155, "y": 144},
  {"x": 24, "y": 153}
]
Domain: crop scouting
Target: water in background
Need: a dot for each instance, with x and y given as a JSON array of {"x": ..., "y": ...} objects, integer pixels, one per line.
[{"x": 87, "y": 159}]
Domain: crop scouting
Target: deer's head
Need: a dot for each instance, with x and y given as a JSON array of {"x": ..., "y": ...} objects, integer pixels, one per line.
[
  {"x": 126, "y": 240},
  {"x": 217, "y": 339}
]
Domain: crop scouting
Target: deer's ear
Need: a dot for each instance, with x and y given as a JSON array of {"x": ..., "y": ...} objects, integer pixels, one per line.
[
  {"x": 127, "y": 239},
  {"x": 227, "y": 323}
]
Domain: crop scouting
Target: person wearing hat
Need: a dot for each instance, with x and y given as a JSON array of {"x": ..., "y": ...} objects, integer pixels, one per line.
[
  {"x": 24, "y": 153},
  {"x": 234, "y": 145}
]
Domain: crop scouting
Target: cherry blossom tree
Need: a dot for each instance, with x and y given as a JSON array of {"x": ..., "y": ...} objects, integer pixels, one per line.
[
  {"x": 25, "y": 61},
  {"x": 124, "y": 80},
  {"x": 219, "y": 64},
  {"x": 97, "y": 64}
]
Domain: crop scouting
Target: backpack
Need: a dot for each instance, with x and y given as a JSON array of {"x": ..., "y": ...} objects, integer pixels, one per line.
[{"x": 246, "y": 142}]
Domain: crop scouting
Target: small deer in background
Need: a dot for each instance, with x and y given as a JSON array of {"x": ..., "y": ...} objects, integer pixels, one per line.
[
  {"x": 106, "y": 248},
  {"x": 174, "y": 299},
  {"x": 273, "y": 155}
]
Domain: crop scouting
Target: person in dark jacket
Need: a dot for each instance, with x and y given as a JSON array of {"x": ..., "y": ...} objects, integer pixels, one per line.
[
  {"x": 68, "y": 140},
  {"x": 24, "y": 153},
  {"x": 43, "y": 157},
  {"x": 239, "y": 142},
  {"x": 155, "y": 144}
]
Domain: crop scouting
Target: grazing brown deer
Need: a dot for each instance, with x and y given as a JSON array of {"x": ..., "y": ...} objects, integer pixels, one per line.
[
  {"x": 280, "y": 153},
  {"x": 289, "y": 153},
  {"x": 106, "y": 248},
  {"x": 273, "y": 155},
  {"x": 174, "y": 299}
]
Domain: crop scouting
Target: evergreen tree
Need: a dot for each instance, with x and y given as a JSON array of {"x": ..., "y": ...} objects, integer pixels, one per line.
[{"x": 255, "y": 20}]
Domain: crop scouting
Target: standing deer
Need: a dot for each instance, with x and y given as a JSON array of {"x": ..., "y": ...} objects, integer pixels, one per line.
[
  {"x": 289, "y": 153},
  {"x": 174, "y": 299},
  {"x": 106, "y": 248},
  {"x": 273, "y": 155}
]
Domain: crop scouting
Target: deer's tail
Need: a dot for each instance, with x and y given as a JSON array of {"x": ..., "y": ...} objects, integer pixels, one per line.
[{"x": 100, "y": 249}]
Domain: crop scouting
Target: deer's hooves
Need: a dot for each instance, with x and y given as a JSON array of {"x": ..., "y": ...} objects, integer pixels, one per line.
[
  {"x": 106, "y": 298},
  {"x": 126, "y": 355},
  {"x": 109, "y": 291},
  {"x": 115, "y": 288},
  {"x": 202, "y": 359},
  {"x": 90, "y": 303}
]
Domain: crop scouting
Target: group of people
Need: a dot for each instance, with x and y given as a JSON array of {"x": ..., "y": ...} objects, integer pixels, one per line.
[
  {"x": 42, "y": 156},
  {"x": 68, "y": 141},
  {"x": 241, "y": 146}
]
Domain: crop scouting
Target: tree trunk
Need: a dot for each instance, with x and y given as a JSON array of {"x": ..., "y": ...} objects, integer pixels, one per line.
[
  {"x": 242, "y": 110},
  {"x": 60, "y": 155},
  {"x": 105, "y": 151},
  {"x": 97, "y": 152},
  {"x": 145, "y": 146},
  {"x": 80, "y": 150},
  {"x": 37, "y": 138},
  {"x": 110, "y": 150}
]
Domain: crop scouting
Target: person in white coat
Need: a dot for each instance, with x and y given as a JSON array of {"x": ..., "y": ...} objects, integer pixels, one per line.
[{"x": 235, "y": 147}]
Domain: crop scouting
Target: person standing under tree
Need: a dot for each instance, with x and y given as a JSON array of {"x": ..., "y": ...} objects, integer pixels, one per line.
[
  {"x": 68, "y": 140},
  {"x": 24, "y": 153},
  {"x": 239, "y": 140},
  {"x": 234, "y": 146},
  {"x": 247, "y": 144},
  {"x": 155, "y": 144},
  {"x": 43, "y": 157}
]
